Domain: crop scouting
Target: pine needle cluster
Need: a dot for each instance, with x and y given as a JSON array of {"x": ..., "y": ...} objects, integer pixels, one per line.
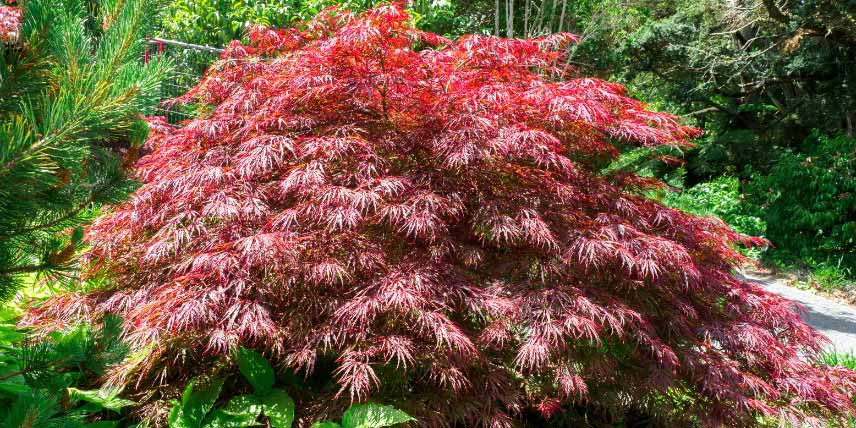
[{"x": 72, "y": 89}]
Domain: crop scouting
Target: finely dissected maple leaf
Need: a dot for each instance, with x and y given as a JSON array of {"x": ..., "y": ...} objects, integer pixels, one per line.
[
  {"x": 10, "y": 23},
  {"x": 437, "y": 210}
]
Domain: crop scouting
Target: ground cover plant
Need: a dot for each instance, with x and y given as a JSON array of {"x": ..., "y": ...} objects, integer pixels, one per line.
[
  {"x": 430, "y": 222},
  {"x": 194, "y": 410},
  {"x": 52, "y": 381},
  {"x": 266, "y": 405}
]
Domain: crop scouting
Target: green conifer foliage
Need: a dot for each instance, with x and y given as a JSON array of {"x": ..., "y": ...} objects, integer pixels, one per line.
[{"x": 72, "y": 87}]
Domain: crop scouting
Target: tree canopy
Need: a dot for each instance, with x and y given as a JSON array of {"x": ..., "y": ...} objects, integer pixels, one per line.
[{"x": 434, "y": 223}]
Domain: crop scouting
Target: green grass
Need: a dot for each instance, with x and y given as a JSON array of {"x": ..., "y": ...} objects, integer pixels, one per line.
[
  {"x": 825, "y": 277},
  {"x": 847, "y": 360},
  {"x": 830, "y": 277}
]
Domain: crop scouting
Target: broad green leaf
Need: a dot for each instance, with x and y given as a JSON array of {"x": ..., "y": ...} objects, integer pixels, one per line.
[
  {"x": 256, "y": 369},
  {"x": 106, "y": 398},
  {"x": 197, "y": 402},
  {"x": 88, "y": 408},
  {"x": 176, "y": 416},
  {"x": 373, "y": 415},
  {"x": 249, "y": 404},
  {"x": 13, "y": 389},
  {"x": 327, "y": 424},
  {"x": 102, "y": 424},
  {"x": 222, "y": 419},
  {"x": 8, "y": 314},
  {"x": 240, "y": 411},
  {"x": 279, "y": 408},
  {"x": 8, "y": 334}
]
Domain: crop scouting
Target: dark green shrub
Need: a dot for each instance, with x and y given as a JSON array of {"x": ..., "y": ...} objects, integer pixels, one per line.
[{"x": 808, "y": 201}]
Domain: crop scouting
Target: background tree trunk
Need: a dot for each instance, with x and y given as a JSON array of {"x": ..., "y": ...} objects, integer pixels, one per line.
[
  {"x": 496, "y": 18},
  {"x": 509, "y": 18}
]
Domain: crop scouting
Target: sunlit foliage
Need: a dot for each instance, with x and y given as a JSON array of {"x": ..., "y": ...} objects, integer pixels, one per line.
[
  {"x": 430, "y": 214},
  {"x": 10, "y": 21},
  {"x": 71, "y": 97}
]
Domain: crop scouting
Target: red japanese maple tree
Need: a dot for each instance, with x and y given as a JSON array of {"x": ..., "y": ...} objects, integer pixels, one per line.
[
  {"x": 10, "y": 21},
  {"x": 434, "y": 215}
]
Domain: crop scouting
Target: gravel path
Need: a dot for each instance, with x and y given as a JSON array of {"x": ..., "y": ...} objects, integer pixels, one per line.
[{"x": 835, "y": 320}]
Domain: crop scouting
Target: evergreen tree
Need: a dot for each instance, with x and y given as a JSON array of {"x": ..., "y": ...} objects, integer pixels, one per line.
[{"x": 72, "y": 87}]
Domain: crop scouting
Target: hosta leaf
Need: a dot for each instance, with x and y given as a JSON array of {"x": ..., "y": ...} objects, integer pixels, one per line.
[
  {"x": 327, "y": 424},
  {"x": 240, "y": 411},
  {"x": 373, "y": 415},
  {"x": 256, "y": 369},
  {"x": 197, "y": 402},
  {"x": 222, "y": 419},
  {"x": 249, "y": 404},
  {"x": 176, "y": 417},
  {"x": 279, "y": 408},
  {"x": 102, "y": 424}
]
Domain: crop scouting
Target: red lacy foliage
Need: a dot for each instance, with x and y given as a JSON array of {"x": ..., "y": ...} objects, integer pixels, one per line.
[
  {"x": 434, "y": 210},
  {"x": 10, "y": 22}
]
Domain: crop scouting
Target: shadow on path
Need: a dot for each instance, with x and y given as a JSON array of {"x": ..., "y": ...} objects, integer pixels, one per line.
[
  {"x": 827, "y": 321},
  {"x": 835, "y": 320}
]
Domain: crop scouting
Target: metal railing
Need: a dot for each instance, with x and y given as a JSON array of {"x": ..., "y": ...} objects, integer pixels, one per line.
[{"x": 190, "y": 62}]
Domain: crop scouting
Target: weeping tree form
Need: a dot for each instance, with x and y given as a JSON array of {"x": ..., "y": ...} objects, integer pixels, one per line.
[
  {"x": 430, "y": 221},
  {"x": 72, "y": 87}
]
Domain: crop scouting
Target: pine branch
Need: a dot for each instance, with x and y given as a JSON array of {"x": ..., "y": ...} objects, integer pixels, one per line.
[
  {"x": 24, "y": 269},
  {"x": 45, "y": 143},
  {"x": 86, "y": 93},
  {"x": 16, "y": 373},
  {"x": 68, "y": 216}
]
